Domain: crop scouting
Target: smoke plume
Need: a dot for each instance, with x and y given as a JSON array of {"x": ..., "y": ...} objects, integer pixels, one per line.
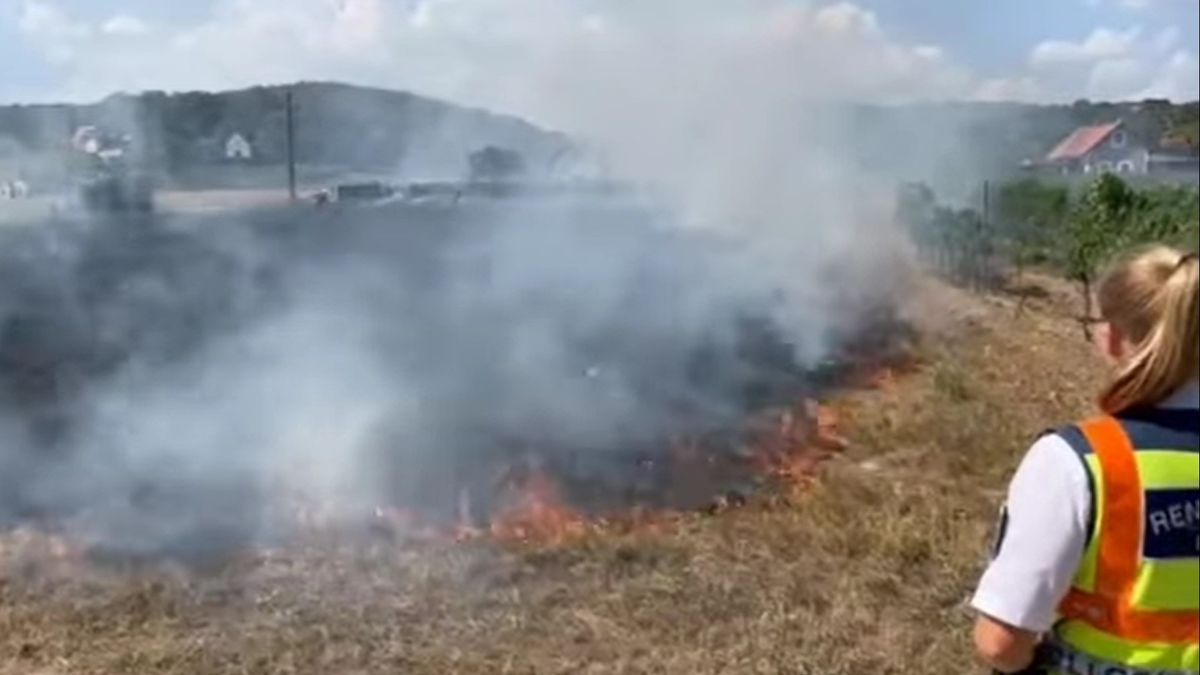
[{"x": 181, "y": 383}]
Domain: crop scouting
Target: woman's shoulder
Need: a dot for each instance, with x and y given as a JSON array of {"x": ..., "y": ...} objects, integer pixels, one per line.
[
  {"x": 1052, "y": 477},
  {"x": 1060, "y": 448},
  {"x": 1056, "y": 462},
  {"x": 1146, "y": 427},
  {"x": 1064, "y": 439}
]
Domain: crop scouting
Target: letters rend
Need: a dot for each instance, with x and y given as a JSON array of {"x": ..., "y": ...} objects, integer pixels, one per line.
[{"x": 1172, "y": 524}]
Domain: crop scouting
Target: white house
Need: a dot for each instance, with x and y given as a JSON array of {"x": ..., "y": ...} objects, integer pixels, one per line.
[
  {"x": 14, "y": 189},
  {"x": 238, "y": 148},
  {"x": 87, "y": 140}
]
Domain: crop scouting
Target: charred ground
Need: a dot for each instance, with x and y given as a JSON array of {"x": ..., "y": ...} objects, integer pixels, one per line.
[
  {"x": 867, "y": 570},
  {"x": 158, "y": 372}
]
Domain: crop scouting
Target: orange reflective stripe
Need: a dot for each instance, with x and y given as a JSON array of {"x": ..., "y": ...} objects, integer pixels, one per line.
[
  {"x": 1121, "y": 513},
  {"x": 1110, "y": 607},
  {"x": 1121, "y": 620}
]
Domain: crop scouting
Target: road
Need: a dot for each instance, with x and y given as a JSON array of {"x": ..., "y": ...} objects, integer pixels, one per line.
[{"x": 172, "y": 201}]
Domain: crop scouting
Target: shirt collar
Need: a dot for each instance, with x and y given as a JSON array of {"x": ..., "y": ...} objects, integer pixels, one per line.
[{"x": 1187, "y": 398}]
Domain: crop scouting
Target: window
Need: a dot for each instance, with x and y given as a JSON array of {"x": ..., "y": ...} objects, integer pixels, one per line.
[
  {"x": 1119, "y": 139},
  {"x": 1104, "y": 167},
  {"x": 1126, "y": 166}
]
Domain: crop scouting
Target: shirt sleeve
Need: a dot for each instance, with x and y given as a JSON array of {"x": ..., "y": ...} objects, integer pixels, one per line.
[{"x": 1042, "y": 541}]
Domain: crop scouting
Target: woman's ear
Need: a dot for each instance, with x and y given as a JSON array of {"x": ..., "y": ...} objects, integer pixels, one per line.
[
  {"x": 1118, "y": 347},
  {"x": 1110, "y": 342}
]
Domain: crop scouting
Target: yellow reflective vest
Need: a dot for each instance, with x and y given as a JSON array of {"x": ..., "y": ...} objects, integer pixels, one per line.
[{"x": 1134, "y": 606}]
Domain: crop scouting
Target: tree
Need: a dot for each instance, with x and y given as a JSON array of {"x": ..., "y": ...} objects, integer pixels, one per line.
[
  {"x": 492, "y": 163},
  {"x": 1170, "y": 215},
  {"x": 1100, "y": 226},
  {"x": 1030, "y": 217}
]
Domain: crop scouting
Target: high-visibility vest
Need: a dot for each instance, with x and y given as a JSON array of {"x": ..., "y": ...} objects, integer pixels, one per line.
[{"x": 1135, "y": 603}]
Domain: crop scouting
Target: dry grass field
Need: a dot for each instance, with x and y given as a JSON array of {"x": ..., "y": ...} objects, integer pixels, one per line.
[{"x": 865, "y": 570}]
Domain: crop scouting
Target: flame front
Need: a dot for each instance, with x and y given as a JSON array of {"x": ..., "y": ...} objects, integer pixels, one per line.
[{"x": 537, "y": 513}]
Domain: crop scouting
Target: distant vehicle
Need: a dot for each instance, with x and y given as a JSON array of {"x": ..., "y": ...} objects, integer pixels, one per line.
[{"x": 369, "y": 191}]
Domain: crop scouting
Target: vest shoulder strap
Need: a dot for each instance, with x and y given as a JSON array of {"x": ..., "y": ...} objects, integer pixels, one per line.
[{"x": 1121, "y": 509}]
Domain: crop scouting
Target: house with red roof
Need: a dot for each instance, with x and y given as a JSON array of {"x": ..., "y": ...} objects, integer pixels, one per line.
[
  {"x": 1101, "y": 148},
  {"x": 1113, "y": 148}
]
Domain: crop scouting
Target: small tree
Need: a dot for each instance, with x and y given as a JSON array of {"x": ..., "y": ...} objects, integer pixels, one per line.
[
  {"x": 1102, "y": 224},
  {"x": 495, "y": 164}
]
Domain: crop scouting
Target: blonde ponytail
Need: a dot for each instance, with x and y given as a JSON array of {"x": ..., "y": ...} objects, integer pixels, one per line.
[{"x": 1152, "y": 297}]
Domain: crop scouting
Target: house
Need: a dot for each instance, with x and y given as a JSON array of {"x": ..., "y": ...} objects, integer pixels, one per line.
[
  {"x": 13, "y": 189},
  {"x": 237, "y": 148},
  {"x": 88, "y": 140},
  {"x": 1102, "y": 148},
  {"x": 1176, "y": 159},
  {"x": 1113, "y": 148}
]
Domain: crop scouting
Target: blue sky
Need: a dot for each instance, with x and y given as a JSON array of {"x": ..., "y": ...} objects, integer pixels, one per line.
[{"x": 1043, "y": 50}]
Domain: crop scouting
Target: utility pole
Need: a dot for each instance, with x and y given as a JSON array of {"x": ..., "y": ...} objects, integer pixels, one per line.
[
  {"x": 291, "y": 144},
  {"x": 985, "y": 235}
]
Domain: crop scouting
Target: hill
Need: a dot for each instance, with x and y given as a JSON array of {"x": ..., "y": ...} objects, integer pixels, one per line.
[
  {"x": 952, "y": 146},
  {"x": 336, "y": 125}
]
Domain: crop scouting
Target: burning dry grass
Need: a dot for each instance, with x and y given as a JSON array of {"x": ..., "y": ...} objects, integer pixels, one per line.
[{"x": 864, "y": 571}]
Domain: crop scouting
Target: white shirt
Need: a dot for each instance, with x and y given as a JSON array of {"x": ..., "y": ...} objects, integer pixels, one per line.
[{"x": 1048, "y": 509}]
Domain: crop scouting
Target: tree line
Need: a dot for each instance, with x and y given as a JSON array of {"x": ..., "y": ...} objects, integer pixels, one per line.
[{"x": 1072, "y": 230}]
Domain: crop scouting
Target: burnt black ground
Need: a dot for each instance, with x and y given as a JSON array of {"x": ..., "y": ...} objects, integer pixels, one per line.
[{"x": 653, "y": 334}]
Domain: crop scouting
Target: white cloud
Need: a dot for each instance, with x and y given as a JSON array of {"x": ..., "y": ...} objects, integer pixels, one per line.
[
  {"x": 44, "y": 18},
  {"x": 1166, "y": 40},
  {"x": 1136, "y": 5},
  {"x": 1115, "y": 78},
  {"x": 508, "y": 53},
  {"x": 1176, "y": 79},
  {"x": 56, "y": 33},
  {"x": 1151, "y": 5},
  {"x": 497, "y": 52},
  {"x": 845, "y": 18},
  {"x": 124, "y": 25},
  {"x": 1109, "y": 65},
  {"x": 1103, "y": 43}
]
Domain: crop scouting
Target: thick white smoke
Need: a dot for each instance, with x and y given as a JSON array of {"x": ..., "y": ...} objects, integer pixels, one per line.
[{"x": 352, "y": 358}]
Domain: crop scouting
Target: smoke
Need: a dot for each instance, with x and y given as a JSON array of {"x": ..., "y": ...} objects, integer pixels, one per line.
[{"x": 177, "y": 384}]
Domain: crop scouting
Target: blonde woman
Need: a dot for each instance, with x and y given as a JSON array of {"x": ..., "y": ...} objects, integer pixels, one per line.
[{"x": 1097, "y": 566}]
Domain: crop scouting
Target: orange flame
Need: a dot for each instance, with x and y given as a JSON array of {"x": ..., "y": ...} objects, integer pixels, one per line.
[
  {"x": 537, "y": 514},
  {"x": 29, "y": 549},
  {"x": 828, "y": 436},
  {"x": 804, "y": 436},
  {"x": 885, "y": 380}
]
